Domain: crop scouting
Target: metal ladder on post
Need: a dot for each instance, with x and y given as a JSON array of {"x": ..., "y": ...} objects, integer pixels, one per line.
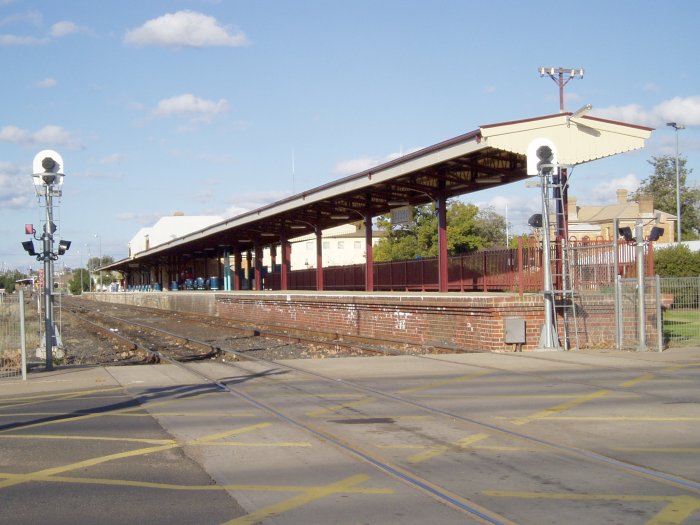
[{"x": 565, "y": 295}]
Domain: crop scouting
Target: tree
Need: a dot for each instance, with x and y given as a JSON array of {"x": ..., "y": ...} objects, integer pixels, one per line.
[
  {"x": 8, "y": 280},
  {"x": 468, "y": 229},
  {"x": 677, "y": 261},
  {"x": 79, "y": 274},
  {"x": 662, "y": 186}
]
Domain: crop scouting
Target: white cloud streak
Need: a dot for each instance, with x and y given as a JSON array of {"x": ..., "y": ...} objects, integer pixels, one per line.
[
  {"x": 47, "y": 83},
  {"x": 188, "y": 105},
  {"x": 65, "y": 28},
  {"x": 50, "y": 135},
  {"x": 15, "y": 186},
  {"x": 185, "y": 29},
  {"x": 351, "y": 166},
  {"x": 684, "y": 110}
]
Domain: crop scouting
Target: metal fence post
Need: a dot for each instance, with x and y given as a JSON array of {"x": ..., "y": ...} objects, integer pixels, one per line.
[
  {"x": 659, "y": 313},
  {"x": 22, "y": 338}
]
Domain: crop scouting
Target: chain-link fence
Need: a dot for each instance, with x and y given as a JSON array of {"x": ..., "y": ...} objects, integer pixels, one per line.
[
  {"x": 680, "y": 297},
  {"x": 11, "y": 335}
]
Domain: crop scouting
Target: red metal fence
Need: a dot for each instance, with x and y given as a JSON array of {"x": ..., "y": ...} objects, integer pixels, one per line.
[{"x": 512, "y": 270}]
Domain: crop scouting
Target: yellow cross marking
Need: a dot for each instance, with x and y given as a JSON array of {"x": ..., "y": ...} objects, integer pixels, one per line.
[
  {"x": 557, "y": 409},
  {"x": 677, "y": 510},
  {"x": 441, "y": 449},
  {"x": 308, "y": 496}
]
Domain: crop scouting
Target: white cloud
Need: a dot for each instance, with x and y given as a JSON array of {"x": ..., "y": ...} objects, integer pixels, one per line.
[
  {"x": 47, "y": 83},
  {"x": 51, "y": 135},
  {"x": 352, "y": 166},
  {"x": 185, "y": 29},
  {"x": 605, "y": 192},
  {"x": 15, "y": 186},
  {"x": 245, "y": 202},
  {"x": 14, "y": 40},
  {"x": 64, "y": 28},
  {"x": 189, "y": 105},
  {"x": 32, "y": 17},
  {"x": 348, "y": 167},
  {"x": 684, "y": 110}
]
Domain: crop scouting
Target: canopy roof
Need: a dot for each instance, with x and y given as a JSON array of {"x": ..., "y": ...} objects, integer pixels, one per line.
[{"x": 490, "y": 156}]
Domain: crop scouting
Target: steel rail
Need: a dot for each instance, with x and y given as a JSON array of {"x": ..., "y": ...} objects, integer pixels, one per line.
[{"x": 587, "y": 455}]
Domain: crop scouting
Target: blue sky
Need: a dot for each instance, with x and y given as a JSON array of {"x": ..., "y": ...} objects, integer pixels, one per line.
[{"x": 215, "y": 107}]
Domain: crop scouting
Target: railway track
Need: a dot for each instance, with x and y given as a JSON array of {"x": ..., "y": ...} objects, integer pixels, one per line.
[{"x": 270, "y": 394}]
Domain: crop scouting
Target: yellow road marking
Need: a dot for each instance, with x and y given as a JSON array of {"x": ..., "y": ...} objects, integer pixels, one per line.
[
  {"x": 228, "y": 433},
  {"x": 24, "y": 478},
  {"x": 89, "y": 438},
  {"x": 438, "y": 450},
  {"x": 65, "y": 395},
  {"x": 194, "y": 488},
  {"x": 624, "y": 418},
  {"x": 637, "y": 380},
  {"x": 555, "y": 410},
  {"x": 444, "y": 382},
  {"x": 670, "y": 450},
  {"x": 678, "y": 509},
  {"x": 308, "y": 496},
  {"x": 561, "y": 407},
  {"x": 127, "y": 414}
]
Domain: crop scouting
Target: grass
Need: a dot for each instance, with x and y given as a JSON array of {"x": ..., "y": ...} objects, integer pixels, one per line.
[{"x": 682, "y": 326}]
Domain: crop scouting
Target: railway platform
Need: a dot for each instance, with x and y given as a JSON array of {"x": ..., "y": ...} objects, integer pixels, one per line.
[{"x": 552, "y": 438}]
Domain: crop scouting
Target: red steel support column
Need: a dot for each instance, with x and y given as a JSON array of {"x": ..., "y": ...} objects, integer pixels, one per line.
[
  {"x": 237, "y": 263},
  {"x": 258, "y": 266},
  {"x": 442, "y": 242},
  {"x": 319, "y": 259},
  {"x": 369, "y": 263},
  {"x": 249, "y": 267}
]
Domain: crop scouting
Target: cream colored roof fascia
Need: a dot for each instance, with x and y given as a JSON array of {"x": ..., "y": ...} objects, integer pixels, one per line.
[{"x": 577, "y": 140}]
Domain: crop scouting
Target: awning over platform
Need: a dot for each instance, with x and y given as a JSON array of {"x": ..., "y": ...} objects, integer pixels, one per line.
[
  {"x": 578, "y": 139},
  {"x": 491, "y": 156}
]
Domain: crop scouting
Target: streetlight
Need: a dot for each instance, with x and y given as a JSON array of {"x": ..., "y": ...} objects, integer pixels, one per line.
[
  {"x": 678, "y": 182},
  {"x": 97, "y": 236}
]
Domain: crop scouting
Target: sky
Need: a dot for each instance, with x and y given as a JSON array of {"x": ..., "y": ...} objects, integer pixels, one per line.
[{"x": 218, "y": 107}]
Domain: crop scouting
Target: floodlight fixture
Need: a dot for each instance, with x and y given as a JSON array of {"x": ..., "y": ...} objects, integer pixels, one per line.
[
  {"x": 626, "y": 233},
  {"x": 47, "y": 169},
  {"x": 655, "y": 233},
  {"x": 340, "y": 217},
  {"x": 535, "y": 220},
  {"x": 63, "y": 246},
  {"x": 29, "y": 248},
  {"x": 582, "y": 111}
]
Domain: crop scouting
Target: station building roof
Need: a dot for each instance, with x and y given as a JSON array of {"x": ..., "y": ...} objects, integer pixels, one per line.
[{"x": 490, "y": 156}]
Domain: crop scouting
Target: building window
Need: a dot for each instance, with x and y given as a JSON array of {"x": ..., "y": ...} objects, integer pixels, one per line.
[
  {"x": 326, "y": 245},
  {"x": 341, "y": 245},
  {"x": 357, "y": 245},
  {"x": 309, "y": 246}
]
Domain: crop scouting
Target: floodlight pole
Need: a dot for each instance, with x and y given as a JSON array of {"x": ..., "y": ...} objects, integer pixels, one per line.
[
  {"x": 48, "y": 278},
  {"x": 641, "y": 302},
  {"x": 549, "y": 338}
]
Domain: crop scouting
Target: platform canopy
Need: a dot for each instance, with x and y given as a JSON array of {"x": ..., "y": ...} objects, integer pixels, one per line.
[{"x": 493, "y": 155}]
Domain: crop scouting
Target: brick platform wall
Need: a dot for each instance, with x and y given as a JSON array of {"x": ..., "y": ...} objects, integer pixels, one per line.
[{"x": 469, "y": 322}]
